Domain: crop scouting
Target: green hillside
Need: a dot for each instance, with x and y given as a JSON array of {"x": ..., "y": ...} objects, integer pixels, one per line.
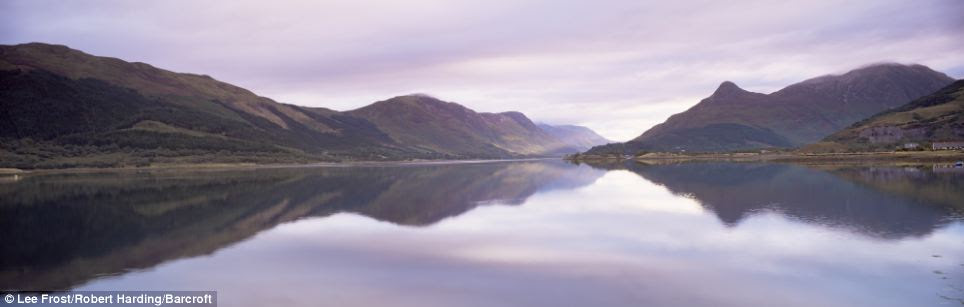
[
  {"x": 932, "y": 118},
  {"x": 61, "y": 107},
  {"x": 431, "y": 124}
]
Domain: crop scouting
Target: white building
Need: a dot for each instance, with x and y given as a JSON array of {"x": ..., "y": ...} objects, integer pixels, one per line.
[{"x": 947, "y": 145}]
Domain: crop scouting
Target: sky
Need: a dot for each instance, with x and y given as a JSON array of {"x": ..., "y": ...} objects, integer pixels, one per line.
[{"x": 618, "y": 67}]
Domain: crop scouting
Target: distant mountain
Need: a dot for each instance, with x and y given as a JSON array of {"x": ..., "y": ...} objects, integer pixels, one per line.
[
  {"x": 935, "y": 117},
  {"x": 735, "y": 119},
  {"x": 61, "y": 107},
  {"x": 433, "y": 125},
  {"x": 579, "y": 137}
]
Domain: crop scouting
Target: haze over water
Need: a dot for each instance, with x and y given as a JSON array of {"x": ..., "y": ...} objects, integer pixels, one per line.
[{"x": 530, "y": 233}]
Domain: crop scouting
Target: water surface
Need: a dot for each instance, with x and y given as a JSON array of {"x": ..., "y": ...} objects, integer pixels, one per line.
[{"x": 531, "y": 233}]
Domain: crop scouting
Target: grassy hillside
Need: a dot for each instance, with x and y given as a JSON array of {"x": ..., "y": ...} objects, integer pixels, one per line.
[
  {"x": 65, "y": 108},
  {"x": 434, "y": 125},
  {"x": 54, "y": 121},
  {"x": 935, "y": 117}
]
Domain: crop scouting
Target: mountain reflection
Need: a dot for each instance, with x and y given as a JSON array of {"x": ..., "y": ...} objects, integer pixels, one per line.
[
  {"x": 880, "y": 202},
  {"x": 63, "y": 230}
]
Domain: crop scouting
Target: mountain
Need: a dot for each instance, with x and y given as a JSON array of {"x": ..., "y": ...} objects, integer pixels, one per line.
[
  {"x": 579, "y": 137},
  {"x": 61, "y": 107},
  {"x": 935, "y": 117},
  {"x": 76, "y": 104},
  {"x": 433, "y": 125},
  {"x": 735, "y": 119}
]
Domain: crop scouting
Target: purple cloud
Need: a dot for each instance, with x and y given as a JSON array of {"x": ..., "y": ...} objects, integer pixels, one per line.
[{"x": 616, "y": 66}]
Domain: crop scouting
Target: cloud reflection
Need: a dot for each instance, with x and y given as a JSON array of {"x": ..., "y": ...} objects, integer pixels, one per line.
[{"x": 621, "y": 241}]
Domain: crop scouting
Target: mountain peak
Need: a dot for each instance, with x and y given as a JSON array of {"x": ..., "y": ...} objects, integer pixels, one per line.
[
  {"x": 881, "y": 70},
  {"x": 413, "y": 96},
  {"x": 42, "y": 46},
  {"x": 727, "y": 88},
  {"x": 420, "y": 95},
  {"x": 416, "y": 99},
  {"x": 798, "y": 114},
  {"x": 879, "y": 65},
  {"x": 518, "y": 117}
]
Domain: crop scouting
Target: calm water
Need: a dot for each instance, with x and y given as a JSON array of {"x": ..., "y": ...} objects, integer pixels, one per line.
[{"x": 536, "y": 233}]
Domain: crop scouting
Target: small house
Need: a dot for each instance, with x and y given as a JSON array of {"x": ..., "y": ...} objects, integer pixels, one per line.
[
  {"x": 947, "y": 145},
  {"x": 910, "y": 146}
]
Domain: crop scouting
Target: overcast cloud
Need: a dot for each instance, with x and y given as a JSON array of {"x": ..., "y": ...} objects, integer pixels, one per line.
[{"x": 618, "y": 67}]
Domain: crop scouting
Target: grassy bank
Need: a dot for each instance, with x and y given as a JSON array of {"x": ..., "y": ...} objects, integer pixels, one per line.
[{"x": 947, "y": 156}]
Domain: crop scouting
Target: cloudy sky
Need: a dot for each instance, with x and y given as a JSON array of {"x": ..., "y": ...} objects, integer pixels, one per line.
[{"x": 618, "y": 67}]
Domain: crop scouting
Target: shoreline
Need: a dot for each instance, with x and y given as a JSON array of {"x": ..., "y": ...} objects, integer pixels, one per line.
[
  {"x": 243, "y": 166},
  {"x": 803, "y": 158},
  {"x": 855, "y": 157}
]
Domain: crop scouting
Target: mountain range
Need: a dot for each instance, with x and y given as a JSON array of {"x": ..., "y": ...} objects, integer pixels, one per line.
[
  {"x": 734, "y": 119},
  {"x": 62, "y": 107}
]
